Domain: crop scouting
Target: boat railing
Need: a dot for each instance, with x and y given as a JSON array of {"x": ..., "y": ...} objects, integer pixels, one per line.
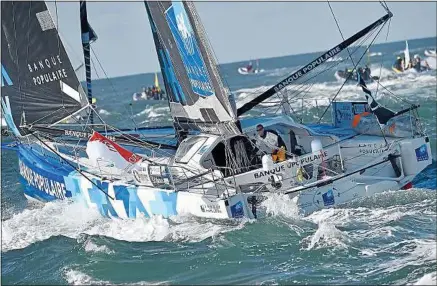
[{"x": 181, "y": 178}]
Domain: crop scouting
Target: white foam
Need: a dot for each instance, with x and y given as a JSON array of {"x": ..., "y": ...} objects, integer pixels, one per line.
[
  {"x": 427, "y": 279},
  {"x": 277, "y": 204},
  {"x": 375, "y": 54},
  {"x": 104, "y": 112},
  {"x": 75, "y": 277},
  {"x": 415, "y": 252},
  {"x": 327, "y": 235},
  {"x": 90, "y": 246},
  {"x": 54, "y": 218},
  {"x": 152, "y": 111},
  {"x": 367, "y": 252},
  {"x": 73, "y": 219}
]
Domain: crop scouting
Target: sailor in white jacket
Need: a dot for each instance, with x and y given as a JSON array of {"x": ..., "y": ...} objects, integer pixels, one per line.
[{"x": 271, "y": 139}]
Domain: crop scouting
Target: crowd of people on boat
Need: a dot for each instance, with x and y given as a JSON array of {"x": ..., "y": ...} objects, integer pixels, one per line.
[
  {"x": 150, "y": 93},
  {"x": 365, "y": 73},
  {"x": 416, "y": 63}
]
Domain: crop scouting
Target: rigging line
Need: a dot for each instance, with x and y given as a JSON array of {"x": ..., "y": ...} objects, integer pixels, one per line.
[
  {"x": 95, "y": 55},
  {"x": 338, "y": 26},
  {"x": 356, "y": 49},
  {"x": 68, "y": 162},
  {"x": 382, "y": 59},
  {"x": 336, "y": 178},
  {"x": 301, "y": 87},
  {"x": 350, "y": 74},
  {"x": 110, "y": 81}
]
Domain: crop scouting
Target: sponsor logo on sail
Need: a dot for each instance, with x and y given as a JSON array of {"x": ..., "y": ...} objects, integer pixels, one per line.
[
  {"x": 47, "y": 70},
  {"x": 188, "y": 49},
  {"x": 186, "y": 36}
]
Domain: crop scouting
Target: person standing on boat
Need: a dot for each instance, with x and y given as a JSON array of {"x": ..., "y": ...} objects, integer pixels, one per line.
[
  {"x": 399, "y": 64},
  {"x": 144, "y": 93},
  {"x": 272, "y": 140},
  {"x": 249, "y": 67},
  {"x": 417, "y": 64}
]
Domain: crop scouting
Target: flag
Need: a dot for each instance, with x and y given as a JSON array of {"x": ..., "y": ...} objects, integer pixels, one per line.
[
  {"x": 100, "y": 148},
  {"x": 382, "y": 114}
]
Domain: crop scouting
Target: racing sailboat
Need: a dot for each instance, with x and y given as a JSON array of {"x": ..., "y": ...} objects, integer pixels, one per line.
[
  {"x": 41, "y": 90},
  {"x": 220, "y": 169},
  {"x": 325, "y": 165}
]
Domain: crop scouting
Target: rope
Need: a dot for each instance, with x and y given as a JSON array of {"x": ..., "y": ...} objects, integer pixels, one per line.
[
  {"x": 338, "y": 26},
  {"x": 350, "y": 74},
  {"x": 71, "y": 165}
]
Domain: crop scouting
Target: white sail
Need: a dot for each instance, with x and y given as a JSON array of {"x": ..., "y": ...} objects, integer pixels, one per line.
[{"x": 407, "y": 55}]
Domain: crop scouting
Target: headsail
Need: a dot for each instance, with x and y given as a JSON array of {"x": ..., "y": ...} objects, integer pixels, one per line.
[
  {"x": 39, "y": 86},
  {"x": 407, "y": 55},
  {"x": 197, "y": 96},
  {"x": 312, "y": 65},
  {"x": 157, "y": 82}
]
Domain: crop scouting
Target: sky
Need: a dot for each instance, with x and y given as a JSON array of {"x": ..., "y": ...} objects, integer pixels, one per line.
[{"x": 238, "y": 31}]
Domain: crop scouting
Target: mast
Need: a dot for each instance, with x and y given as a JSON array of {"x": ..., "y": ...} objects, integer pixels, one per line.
[
  {"x": 312, "y": 65},
  {"x": 88, "y": 36}
]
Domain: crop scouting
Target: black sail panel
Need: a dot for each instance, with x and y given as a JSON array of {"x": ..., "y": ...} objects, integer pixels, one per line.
[
  {"x": 198, "y": 99},
  {"x": 38, "y": 80}
]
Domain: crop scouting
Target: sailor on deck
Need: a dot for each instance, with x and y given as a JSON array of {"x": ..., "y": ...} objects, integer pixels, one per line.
[
  {"x": 249, "y": 67},
  {"x": 399, "y": 64},
  {"x": 273, "y": 141}
]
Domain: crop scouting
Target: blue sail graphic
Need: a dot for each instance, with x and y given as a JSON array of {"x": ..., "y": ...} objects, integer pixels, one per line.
[
  {"x": 5, "y": 77},
  {"x": 188, "y": 48}
]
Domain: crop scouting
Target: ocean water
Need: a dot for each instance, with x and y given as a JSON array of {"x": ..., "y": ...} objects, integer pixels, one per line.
[{"x": 386, "y": 239}]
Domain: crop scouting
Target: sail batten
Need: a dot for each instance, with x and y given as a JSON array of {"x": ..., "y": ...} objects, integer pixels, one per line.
[
  {"x": 196, "y": 94},
  {"x": 311, "y": 65},
  {"x": 35, "y": 66}
]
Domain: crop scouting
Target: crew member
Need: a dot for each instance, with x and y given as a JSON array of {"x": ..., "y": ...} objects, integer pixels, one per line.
[
  {"x": 274, "y": 141},
  {"x": 249, "y": 67}
]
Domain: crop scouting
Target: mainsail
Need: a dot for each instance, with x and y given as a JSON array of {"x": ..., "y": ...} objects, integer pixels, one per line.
[
  {"x": 197, "y": 96},
  {"x": 40, "y": 85},
  {"x": 312, "y": 65}
]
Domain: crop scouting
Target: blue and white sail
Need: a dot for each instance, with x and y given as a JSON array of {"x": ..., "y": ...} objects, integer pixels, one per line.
[{"x": 198, "y": 99}]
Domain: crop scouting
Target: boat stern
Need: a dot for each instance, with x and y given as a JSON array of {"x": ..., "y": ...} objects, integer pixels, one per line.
[{"x": 415, "y": 155}]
